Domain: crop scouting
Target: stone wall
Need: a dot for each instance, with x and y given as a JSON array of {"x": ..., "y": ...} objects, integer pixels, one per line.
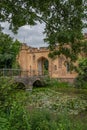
[{"x": 32, "y": 60}]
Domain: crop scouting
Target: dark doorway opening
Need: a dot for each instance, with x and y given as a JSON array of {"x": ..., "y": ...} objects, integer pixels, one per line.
[
  {"x": 38, "y": 83},
  {"x": 43, "y": 66}
]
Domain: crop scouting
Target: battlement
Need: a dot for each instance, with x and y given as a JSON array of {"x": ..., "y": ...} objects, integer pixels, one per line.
[
  {"x": 30, "y": 49},
  {"x": 33, "y": 49}
]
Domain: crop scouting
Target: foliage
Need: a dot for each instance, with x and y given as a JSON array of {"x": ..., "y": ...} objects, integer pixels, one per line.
[
  {"x": 45, "y": 120},
  {"x": 4, "y": 123},
  {"x": 8, "y": 50},
  {"x": 84, "y": 48},
  {"x": 62, "y": 29},
  {"x": 81, "y": 80},
  {"x": 43, "y": 109},
  {"x": 19, "y": 118},
  {"x": 51, "y": 82},
  {"x": 42, "y": 120},
  {"x": 52, "y": 109},
  {"x": 13, "y": 114},
  {"x": 18, "y": 13},
  {"x": 57, "y": 100},
  {"x": 64, "y": 20}
]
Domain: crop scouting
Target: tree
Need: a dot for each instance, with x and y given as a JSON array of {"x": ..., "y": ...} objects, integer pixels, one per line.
[
  {"x": 64, "y": 27},
  {"x": 18, "y": 13},
  {"x": 64, "y": 19},
  {"x": 8, "y": 50}
]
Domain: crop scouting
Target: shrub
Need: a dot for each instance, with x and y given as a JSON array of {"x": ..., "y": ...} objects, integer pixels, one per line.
[
  {"x": 55, "y": 83},
  {"x": 45, "y": 120},
  {"x": 19, "y": 118},
  {"x": 81, "y": 80},
  {"x": 4, "y": 122},
  {"x": 42, "y": 120},
  {"x": 12, "y": 107}
]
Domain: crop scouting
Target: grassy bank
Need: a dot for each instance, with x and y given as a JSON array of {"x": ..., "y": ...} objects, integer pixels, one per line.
[
  {"x": 67, "y": 103},
  {"x": 57, "y": 106}
]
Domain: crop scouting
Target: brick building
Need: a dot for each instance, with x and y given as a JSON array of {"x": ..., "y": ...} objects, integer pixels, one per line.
[{"x": 36, "y": 62}]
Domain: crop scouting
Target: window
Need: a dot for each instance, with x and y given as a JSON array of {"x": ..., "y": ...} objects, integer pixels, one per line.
[
  {"x": 60, "y": 62},
  {"x": 30, "y": 68},
  {"x": 33, "y": 57},
  {"x": 55, "y": 67},
  {"x": 68, "y": 67}
]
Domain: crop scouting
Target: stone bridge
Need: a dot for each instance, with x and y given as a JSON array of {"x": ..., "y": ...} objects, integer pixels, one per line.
[
  {"x": 22, "y": 78},
  {"x": 29, "y": 82}
]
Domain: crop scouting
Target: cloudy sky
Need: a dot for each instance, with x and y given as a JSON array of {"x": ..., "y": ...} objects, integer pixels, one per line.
[{"x": 32, "y": 35}]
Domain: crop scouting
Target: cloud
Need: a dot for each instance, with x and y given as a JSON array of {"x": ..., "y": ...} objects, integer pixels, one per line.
[{"x": 31, "y": 35}]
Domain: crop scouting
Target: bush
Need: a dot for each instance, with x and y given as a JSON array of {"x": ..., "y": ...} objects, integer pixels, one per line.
[
  {"x": 4, "y": 122},
  {"x": 19, "y": 118},
  {"x": 13, "y": 114},
  {"x": 45, "y": 120},
  {"x": 56, "y": 83},
  {"x": 81, "y": 80},
  {"x": 42, "y": 120}
]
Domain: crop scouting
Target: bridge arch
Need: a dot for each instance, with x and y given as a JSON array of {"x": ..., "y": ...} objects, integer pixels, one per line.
[
  {"x": 43, "y": 65},
  {"x": 37, "y": 83}
]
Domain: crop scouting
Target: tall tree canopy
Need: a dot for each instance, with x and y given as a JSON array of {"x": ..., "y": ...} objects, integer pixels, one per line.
[
  {"x": 64, "y": 20},
  {"x": 67, "y": 19},
  {"x": 8, "y": 50}
]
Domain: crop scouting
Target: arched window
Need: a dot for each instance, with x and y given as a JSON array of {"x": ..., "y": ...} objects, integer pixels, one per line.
[
  {"x": 60, "y": 62},
  {"x": 30, "y": 68},
  {"x": 55, "y": 67},
  {"x": 33, "y": 57},
  {"x": 68, "y": 67}
]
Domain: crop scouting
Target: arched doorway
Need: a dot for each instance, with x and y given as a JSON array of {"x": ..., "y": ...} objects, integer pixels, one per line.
[{"x": 43, "y": 66}]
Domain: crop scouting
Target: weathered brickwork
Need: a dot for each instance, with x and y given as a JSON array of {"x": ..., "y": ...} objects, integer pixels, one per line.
[{"x": 37, "y": 62}]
